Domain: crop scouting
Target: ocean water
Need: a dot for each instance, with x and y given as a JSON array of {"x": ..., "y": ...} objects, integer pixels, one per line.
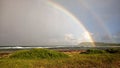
[{"x": 72, "y": 47}]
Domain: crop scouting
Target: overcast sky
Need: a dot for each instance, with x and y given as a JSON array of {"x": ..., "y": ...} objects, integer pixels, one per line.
[
  {"x": 100, "y": 17},
  {"x": 35, "y": 22}
]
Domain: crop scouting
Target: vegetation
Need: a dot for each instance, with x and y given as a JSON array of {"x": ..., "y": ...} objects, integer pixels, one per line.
[
  {"x": 113, "y": 50},
  {"x": 91, "y": 59},
  {"x": 99, "y": 51},
  {"x": 38, "y": 54},
  {"x": 94, "y": 51}
]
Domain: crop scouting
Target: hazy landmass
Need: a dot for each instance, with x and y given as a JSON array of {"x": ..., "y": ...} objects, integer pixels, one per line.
[{"x": 98, "y": 44}]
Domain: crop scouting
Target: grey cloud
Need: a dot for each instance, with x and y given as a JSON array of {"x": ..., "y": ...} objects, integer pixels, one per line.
[{"x": 33, "y": 22}]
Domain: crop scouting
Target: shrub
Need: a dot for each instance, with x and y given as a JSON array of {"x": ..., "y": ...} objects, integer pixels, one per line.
[
  {"x": 113, "y": 50},
  {"x": 38, "y": 54},
  {"x": 94, "y": 51}
]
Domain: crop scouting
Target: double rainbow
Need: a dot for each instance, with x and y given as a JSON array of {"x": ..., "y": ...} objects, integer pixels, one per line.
[{"x": 73, "y": 17}]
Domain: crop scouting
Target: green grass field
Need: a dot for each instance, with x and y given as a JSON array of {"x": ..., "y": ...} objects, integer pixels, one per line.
[{"x": 44, "y": 58}]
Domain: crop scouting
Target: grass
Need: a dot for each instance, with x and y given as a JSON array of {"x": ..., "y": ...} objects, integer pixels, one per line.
[
  {"x": 94, "y": 60},
  {"x": 94, "y": 51},
  {"x": 113, "y": 50},
  {"x": 99, "y": 51},
  {"x": 38, "y": 54}
]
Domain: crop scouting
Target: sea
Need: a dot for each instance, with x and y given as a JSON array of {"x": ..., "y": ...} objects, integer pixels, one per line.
[{"x": 70, "y": 47}]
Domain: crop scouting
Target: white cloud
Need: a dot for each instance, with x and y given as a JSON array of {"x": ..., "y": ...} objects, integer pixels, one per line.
[
  {"x": 69, "y": 37},
  {"x": 84, "y": 37}
]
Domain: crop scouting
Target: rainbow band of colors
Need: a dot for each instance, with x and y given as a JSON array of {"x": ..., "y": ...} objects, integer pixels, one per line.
[{"x": 65, "y": 11}]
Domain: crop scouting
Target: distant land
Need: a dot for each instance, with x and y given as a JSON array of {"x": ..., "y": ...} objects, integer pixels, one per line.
[
  {"x": 85, "y": 44},
  {"x": 82, "y": 44}
]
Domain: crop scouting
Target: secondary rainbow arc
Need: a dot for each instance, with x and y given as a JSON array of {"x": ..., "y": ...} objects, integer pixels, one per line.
[{"x": 73, "y": 17}]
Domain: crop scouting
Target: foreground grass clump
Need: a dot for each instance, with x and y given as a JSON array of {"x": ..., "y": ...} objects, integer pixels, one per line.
[{"x": 37, "y": 54}]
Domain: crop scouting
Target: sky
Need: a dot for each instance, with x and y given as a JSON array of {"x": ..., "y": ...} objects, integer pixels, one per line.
[{"x": 59, "y": 22}]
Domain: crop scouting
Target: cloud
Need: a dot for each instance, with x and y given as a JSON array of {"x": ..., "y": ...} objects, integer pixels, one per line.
[
  {"x": 28, "y": 22},
  {"x": 83, "y": 37},
  {"x": 86, "y": 36},
  {"x": 69, "y": 37}
]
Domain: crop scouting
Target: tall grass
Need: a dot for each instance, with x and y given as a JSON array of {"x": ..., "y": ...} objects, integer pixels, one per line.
[
  {"x": 76, "y": 61},
  {"x": 113, "y": 50},
  {"x": 37, "y": 54},
  {"x": 27, "y": 59},
  {"x": 99, "y": 51},
  {"x": 95, "y": 51}
]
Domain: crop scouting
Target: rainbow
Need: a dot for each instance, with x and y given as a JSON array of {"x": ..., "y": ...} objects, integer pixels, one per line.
[
  {"x": 100, "y": 21},
  {"x": 73, "y": 17}
]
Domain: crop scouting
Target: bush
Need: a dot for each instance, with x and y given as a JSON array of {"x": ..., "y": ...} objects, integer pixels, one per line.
[
  {"x": 113, "y": 50},
  {"x": 38, "y": 54},
  {"x": 94, "y": 51}
]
